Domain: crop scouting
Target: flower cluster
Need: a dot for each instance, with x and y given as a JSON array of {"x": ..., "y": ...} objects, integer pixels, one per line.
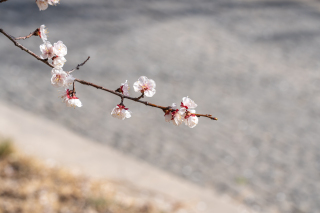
[
  {"x": 56, "y": 53},
  {"x": 43, "y": 4},
  {"x": 144, "y": 85},
  {"x": 186, "y": 114}
]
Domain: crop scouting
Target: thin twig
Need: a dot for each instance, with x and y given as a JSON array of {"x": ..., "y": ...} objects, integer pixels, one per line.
[
  {"x": 141, "y": 96},
  {"x": 79, "y": 65},
  {"x": 11, "y": 38},
  {"x": 34, "y": 33},
  {"x": 3, "y": 1},
  {"x": 207, "y": 116},
  {"x": 121, "y": 103},
  {"x": 92, "y": 84}
]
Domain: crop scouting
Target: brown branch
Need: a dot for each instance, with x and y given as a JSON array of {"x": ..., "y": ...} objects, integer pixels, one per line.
[
  {"x": 119, "y": 94},
  {"x": 79, "y": 65},
  {"x": 141, "y": 96},
  {"x": 11, "y": 38},
  {"x": 136, "y": 99},
  {"x": 207, "y": 116},
  {"x": 115, "y": 92},
  {"x": 34, "y": 33},
  {"x": 3, "y": 1}
]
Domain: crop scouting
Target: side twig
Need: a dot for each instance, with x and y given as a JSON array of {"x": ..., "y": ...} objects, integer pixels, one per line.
[
  {"x": 34, "y": 33},
  {"x": 79, "y": 65},
  {"x": 114, "y": 92}
]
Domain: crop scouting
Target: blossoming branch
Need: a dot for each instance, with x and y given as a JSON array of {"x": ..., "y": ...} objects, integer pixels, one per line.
[
  {"x": 42, "y": 4},
  {"x": 54, "y": 57}
]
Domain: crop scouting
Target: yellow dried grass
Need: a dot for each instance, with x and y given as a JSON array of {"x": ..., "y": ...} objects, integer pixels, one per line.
[{"x": 26, "y": 185}]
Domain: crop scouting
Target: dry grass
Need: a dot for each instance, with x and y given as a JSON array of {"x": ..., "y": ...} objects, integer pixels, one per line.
[{"x": 26, "y": 185}]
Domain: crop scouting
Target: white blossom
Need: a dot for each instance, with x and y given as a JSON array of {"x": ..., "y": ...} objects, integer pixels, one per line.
[
  {"x": 43, "y": 33},
  {"x": 46, "y": 50},
  {"x": 60, "y": 49},
  {"x": 168, "y": 115},
  {"x": 124, "y": 88},
  {"x": 69, "y": 80},
  {"x": 58, "y": 61},
  {"x": 70, "y": 99},
  {"x": 190, "y": 119},
  {"x": 178, "y": 118},
  {"x": 74, "y": 102},
  {"x": 42, "y": 4},
  {"x": 187, "y": 112},
  {"x": 53, "y": 2},
  {"x": 188, "y": 103},
  {"x": 173, "y": 106},
  {"x": 121, "y": 112},
  {"x": 60, "y": 78},
  {"x": 145, "y": 85}
]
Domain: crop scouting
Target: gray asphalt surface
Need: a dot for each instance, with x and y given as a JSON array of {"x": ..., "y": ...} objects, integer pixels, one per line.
[{"x": 253, "y": 64}]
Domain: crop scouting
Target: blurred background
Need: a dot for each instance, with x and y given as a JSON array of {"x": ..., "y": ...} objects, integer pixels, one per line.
[{"x": 254, "y": 64}]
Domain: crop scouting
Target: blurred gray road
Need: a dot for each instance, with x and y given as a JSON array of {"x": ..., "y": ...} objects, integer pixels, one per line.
[{"x": 254, "y": 64}]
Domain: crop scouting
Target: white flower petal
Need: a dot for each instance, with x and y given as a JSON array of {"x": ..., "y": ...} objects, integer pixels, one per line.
[
  {"x": 77, "y": 103},
  {"x": 188, "y": 102},
  {"x": 42, "y": 4},
  {"x": 182, "y": 111},
  {"x": 120, "y": 113},
  {"x": 60, "y": 49},
  {"x": 125, "y": 88},
  {"x": 53, "y": 2},
  {"x": 145, "y": 85},
  {"x": 69, "y": 80},
  {"x": 174, "y": 106},
  {"x": 128, "y": 114},
  {"x": 150, "y": 93},
  {"x": 59, "y": 61},
  {"x": 168, "y": 117},
  {"x": 178, "y": 119},
  {"x": 192, "y": 111},
  {"x": 46, "y": 50},
  {"x": 151, "y": 83},
  {"x": 43, "y": 33},
  {"x": 143, "y": 79},
  {"x": 59, "y": 78},
  {"x": 192, "y": 121}
]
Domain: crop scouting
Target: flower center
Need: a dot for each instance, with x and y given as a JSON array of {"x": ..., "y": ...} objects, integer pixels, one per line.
[
  {"x": 188, "y": 114},
  {"x": 145, "y": 87},
  {"x": 58, "y": 78}
]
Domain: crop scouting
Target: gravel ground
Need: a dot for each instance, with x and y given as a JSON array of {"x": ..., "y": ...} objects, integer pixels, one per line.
[{"x": 253, "y": 64}]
